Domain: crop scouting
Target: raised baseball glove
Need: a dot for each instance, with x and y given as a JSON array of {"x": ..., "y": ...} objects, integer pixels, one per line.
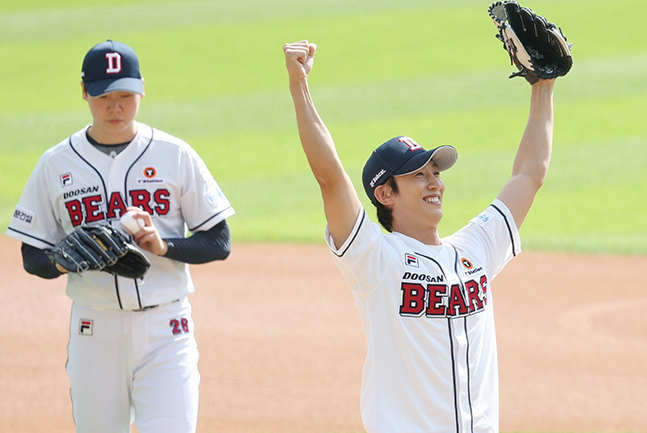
[
  {"x": 99, "y": 248},
  {"x": 536, "y": 46}
]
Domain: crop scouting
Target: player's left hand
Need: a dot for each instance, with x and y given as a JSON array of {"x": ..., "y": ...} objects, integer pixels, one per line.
[
  {"x": 148, "y": 238},
  {"x": 99, "y": 248},
  {"x": 537, "y": 47}
]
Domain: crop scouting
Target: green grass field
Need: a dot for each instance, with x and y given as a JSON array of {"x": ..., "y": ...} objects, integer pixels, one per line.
[{"x": 433, "y": 70}]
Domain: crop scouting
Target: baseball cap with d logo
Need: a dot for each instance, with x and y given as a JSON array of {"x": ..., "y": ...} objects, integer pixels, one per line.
[
  {"x": 111, "y": 67},
  {"x": 399, "y": 156}
]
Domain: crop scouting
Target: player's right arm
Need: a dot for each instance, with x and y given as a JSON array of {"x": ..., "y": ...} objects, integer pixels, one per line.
[
  {"x": 341, "y": 203},
  {"x": 36, "y": 262}
]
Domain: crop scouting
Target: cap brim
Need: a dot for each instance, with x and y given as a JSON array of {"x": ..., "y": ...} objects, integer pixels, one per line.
[
  {"x": 127, "y": 84},
  {"x": 443, "y": 156}
]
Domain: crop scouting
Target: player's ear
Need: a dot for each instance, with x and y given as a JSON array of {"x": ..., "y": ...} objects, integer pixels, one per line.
[
  {"x": 143, "y": 87},
  {"x": 85, "y": 92},
  {"x": 384, "y": 194}
]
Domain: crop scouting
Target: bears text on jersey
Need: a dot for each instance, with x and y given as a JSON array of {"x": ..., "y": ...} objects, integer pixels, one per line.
[
  {"x": 91, "y": 208},
  {"x": 442, "y": 300}
]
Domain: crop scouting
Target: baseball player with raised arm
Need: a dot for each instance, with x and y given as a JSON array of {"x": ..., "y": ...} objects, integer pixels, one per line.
[
  {"x": 132, "y": 350},
  {"x": 425, "y": 302}
]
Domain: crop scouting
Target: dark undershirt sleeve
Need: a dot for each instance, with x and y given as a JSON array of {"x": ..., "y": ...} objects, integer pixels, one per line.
[
  {"x": 36, "y": 262},
  {"x": 201, "y": 247}
]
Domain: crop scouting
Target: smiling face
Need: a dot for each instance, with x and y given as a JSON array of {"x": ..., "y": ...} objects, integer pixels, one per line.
[
  {"x": 113, "y": 116},
  {"x": 417, "y": 206}
]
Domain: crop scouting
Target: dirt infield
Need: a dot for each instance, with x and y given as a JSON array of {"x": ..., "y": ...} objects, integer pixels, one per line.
[{"x": 282, "y": 347}]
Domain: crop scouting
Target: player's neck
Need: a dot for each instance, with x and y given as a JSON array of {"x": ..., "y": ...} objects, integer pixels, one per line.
[
  {"x": 107, "y": 138},
  {"x": 426, "y": 235},
  {"x": 109, "y": 149},
  {"x": 420, "y": 226}
]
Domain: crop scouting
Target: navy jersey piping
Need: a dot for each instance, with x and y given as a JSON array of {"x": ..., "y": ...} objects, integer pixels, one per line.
[
  {"x": 139, "y": 301},
  {"x": 193, "y": 229},
  {"x": 135, "y": 161},
  {"x": 469, "y": 376},
  {"x": 507, "y": 223},
  {"x": 103, "y": 183},
  {"x": 451, "y": 350},
  {"x": 354, "y": 236},
  {"x": 467, "y": 338},
  {"x": 121, "y": 307},
  {"x": 451, "y": 345},
  {"x": 30, "y": 236},
  {"x": 105, "y": 193}
]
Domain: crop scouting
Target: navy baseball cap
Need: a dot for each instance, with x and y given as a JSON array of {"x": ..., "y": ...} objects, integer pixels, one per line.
[
  {"x": 111, "y": 67},
  {"x": 402, "y": 155}
]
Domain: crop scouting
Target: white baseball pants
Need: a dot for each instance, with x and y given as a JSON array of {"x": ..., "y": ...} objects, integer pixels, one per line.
[{"x": 139, "y": 366}]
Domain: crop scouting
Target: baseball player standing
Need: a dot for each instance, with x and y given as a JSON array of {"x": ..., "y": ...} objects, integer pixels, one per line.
[
  {"x": 425, "y": 302},
  {"x": 132, "y": 350}
]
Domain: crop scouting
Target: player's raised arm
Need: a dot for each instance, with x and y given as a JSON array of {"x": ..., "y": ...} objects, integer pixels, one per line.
[
  {"x": 533, "y": 156},
  {"x": 341, "y": 203}
]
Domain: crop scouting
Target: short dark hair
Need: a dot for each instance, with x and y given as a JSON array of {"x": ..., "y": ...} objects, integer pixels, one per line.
[{"x": 385, "y": 214}]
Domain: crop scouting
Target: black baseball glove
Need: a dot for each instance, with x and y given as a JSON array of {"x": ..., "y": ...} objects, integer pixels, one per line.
[
  {"x": 99, "y": 248},
  {"x": 536, "y": 46}
]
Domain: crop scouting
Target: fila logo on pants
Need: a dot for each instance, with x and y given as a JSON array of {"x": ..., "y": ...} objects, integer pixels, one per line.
[{"x": 86, "y": 327}]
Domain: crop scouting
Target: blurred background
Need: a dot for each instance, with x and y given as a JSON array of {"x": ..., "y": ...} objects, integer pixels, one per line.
[{"x": 429, "y": 69}]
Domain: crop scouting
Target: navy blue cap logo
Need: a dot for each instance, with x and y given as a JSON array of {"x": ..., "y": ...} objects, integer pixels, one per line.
[{"x": 111, "y": 66}]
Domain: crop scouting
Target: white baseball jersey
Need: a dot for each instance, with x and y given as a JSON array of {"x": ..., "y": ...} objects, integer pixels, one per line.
[
  {"x": 431, "y": 362},
  {"x": 75, "y": 184}
]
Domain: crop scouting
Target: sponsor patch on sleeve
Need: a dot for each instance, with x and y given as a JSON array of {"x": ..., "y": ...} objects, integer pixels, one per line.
[
  {"x": 482, "y": 219},
  {"x": 23, "y": 217},
  {"x": 215, "y": 196}
]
